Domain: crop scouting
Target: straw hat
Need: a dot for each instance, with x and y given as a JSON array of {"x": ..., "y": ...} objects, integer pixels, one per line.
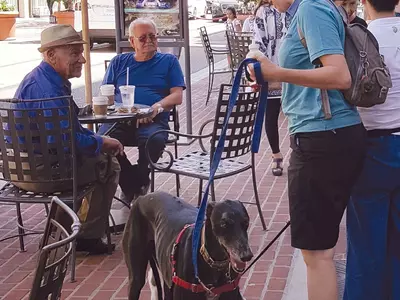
[{"x": 59, "y": 35}]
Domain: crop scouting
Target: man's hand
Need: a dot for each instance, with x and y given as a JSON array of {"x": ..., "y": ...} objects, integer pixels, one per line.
[
  {"x": 149, "y": 119},
  {"x": 112, "y": 146}
]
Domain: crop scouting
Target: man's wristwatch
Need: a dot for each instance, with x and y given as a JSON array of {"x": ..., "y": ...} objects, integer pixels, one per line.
[{"x": 160, "y": 109}]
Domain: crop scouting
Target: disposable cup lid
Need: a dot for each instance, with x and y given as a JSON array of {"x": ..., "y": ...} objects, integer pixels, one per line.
[
  {"x": 127, "y": 88},
  {"x": 100, "y": 100},
  {"x": 108, "y": 88}
]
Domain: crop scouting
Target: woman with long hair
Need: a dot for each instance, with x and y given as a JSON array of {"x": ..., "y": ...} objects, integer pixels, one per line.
[{"x": 269, "y": 30}]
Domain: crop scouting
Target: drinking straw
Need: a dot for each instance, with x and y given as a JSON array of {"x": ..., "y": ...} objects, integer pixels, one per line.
[{"x": 127, "y": 76}]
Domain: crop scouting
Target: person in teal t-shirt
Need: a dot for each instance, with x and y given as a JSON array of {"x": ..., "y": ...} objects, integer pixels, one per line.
[{"x": 328, "y": 153}]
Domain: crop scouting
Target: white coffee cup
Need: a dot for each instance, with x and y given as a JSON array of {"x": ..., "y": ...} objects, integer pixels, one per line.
[
  {"x": 109, "y": 91},
  {"x": 127, "y": 95},
  {"x": 100, "y": 105}
]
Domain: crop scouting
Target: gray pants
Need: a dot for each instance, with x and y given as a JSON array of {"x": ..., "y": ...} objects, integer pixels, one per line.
[{"x": 103, "y": 171}]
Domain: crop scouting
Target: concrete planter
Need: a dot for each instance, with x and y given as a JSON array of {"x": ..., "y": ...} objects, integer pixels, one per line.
[
  {"x": 7, "y": 24},
  {"x": 65, "y": 17}
]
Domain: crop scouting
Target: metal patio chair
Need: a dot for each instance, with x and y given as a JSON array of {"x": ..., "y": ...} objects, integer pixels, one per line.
[
  {"x": 210, "y": 51},
  {"x": 55, "y": 251},
  {"x": 238, "y": 44},
  {"x": 238, "y": 142},
  {"x": 37, "y": 148}
]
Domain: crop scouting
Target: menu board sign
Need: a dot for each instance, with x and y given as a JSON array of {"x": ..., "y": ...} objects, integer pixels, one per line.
[{"x": 165, "y": 13}]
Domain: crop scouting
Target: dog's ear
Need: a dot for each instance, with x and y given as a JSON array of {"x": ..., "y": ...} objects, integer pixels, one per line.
[{"x": 210, "y": 208}]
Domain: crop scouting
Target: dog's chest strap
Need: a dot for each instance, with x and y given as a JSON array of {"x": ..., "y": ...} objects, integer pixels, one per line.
[{"x": 199, "y": 287}]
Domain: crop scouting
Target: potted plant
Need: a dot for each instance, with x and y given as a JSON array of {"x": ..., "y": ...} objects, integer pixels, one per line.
[
  {"x": 66, "y": 16},
  {"x": 7, "y": 20}
]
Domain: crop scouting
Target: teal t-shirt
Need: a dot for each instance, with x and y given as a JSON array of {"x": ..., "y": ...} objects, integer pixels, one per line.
[{"x": 324, "y": 32}]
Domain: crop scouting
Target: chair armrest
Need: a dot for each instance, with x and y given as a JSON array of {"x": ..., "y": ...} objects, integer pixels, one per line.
[
  {"x": 204, "y": 136},
  {"x": 171, "y": 156}
]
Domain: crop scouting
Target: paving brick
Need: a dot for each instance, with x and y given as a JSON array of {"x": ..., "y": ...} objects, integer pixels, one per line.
[
  {"x": 85, "y": 290},
  {"x": 103, "y": 295},
  {"x": 16, "y": 277},
  {"x": 15, "y": 294},
  {"x": 280, "y": 272},
  {"x": 112, "y": 284},
  {"x": 273, "y": 295}
]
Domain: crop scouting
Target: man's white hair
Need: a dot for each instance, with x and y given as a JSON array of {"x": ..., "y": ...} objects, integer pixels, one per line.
[{"x": 137, "y": 21}]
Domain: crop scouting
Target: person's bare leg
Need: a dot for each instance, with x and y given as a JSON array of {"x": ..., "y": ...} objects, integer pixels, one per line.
[{"x": 321, "y": 274}]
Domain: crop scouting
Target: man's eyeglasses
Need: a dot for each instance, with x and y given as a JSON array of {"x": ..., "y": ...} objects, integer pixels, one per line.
[{"x": 143, "y": 38}]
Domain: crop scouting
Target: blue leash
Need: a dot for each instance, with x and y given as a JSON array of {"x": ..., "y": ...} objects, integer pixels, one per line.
[{"x": 262, "y": 106}]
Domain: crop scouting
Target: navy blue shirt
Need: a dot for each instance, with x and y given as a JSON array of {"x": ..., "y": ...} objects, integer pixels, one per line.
[
  {"x": 45, "y": 82},
  {"x": 153, "y": 78}
]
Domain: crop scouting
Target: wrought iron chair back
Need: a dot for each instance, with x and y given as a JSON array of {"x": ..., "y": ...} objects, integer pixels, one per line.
[
  {"x": 238, "y": 45},
  {"x": 241, "y": 122},
  {"x": 37, "y": 145},
  {"x": 205, "y": 40},
  {"x": 55, "y": 252}
]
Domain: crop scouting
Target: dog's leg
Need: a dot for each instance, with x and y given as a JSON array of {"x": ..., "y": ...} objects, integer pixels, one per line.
[
  {"x": 136, "y": 251},
  {"x": 152, "y": 284},
  {"x": 154, "y": 288},
  {"x": 156, "y": 279}
]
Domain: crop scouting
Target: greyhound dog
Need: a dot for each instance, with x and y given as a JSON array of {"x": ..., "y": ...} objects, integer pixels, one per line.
[{"x": 159, "y": 230}]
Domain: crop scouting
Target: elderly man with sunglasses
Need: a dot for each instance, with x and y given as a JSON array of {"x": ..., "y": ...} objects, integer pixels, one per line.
[{"x": 159, "y": 83}]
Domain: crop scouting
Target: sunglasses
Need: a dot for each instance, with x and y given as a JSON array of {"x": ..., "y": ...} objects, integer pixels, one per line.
[{"x": 143, "y": 38}]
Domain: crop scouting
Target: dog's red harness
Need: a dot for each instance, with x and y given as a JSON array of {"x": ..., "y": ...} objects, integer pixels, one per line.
[{"x": 199, "y": 287}]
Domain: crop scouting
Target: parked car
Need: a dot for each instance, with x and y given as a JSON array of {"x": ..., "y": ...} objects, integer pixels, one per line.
[
  {"x": 197, "y": 8},
  {"x": 218, "y": 9}
]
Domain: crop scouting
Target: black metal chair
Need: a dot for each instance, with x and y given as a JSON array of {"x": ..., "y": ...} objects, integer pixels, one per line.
[
  {"x": 55, "y": 251},
  {"x": 210, "y": 51},
  {"x": 37, "y": 149},
  {"x": 238, "y": 44},
  {"x": 238, "y": 143}
]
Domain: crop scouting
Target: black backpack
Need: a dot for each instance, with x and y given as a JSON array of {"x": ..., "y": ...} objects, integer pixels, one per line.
[{"x": 370, "y": 76}]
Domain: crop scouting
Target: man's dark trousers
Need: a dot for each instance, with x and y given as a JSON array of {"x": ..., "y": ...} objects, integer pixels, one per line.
[{"x": 134, "y": 177}]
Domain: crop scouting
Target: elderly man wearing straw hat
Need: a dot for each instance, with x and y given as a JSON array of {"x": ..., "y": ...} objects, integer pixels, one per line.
[{"x": 62, "y": 49}]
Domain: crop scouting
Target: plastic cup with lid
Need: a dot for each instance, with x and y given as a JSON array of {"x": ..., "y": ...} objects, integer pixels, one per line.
[{"x": 127, "y": 95}]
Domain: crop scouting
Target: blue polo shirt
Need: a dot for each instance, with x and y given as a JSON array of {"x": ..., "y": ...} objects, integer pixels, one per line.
[
  {"x": 45, "y": 82},
  {"x": 153, "y": 78},
  {"x": 324, "y": 32}
]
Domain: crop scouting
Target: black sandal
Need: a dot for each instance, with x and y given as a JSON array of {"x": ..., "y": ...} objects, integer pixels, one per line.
[{"x": 278, "y": 169}]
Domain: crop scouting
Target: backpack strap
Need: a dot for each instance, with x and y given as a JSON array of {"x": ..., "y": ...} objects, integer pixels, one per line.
[{"x": 326, "y": 107}]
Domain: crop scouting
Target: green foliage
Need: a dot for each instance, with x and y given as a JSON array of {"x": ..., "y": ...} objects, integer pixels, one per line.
[{"x": 5, "y": 7}]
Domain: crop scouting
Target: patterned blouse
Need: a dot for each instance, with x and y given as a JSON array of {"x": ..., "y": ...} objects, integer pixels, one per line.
[{"x": 270, "y": 28}]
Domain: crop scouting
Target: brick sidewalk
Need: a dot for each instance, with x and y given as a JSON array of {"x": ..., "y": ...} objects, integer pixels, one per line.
[{"x": 105, "y": 277}]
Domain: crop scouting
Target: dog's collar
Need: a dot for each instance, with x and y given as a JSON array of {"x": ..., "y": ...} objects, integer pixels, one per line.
[
  {"x": 215, "y": 264},
  {"x": 199, "y": 287}
]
